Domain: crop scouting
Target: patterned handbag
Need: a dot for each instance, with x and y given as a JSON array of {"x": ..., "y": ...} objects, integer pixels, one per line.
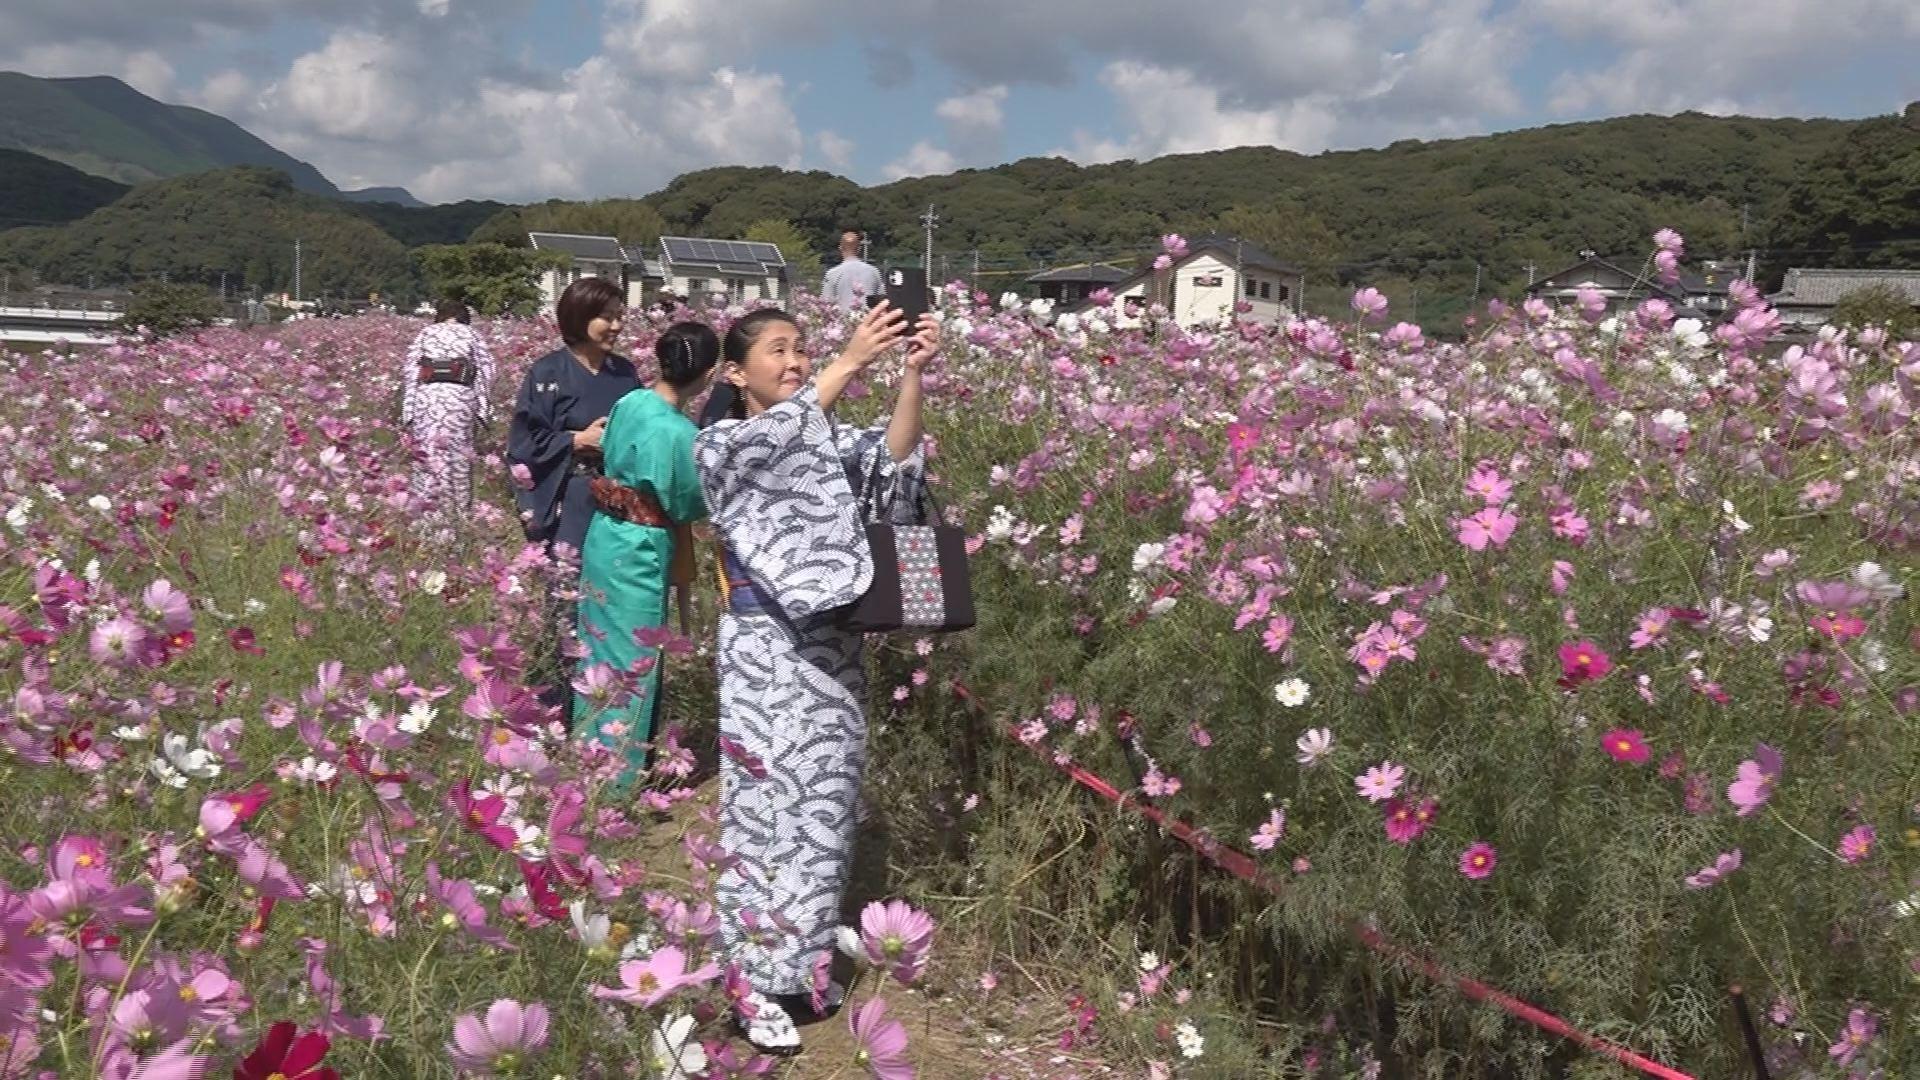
[{"x": 921, "y": 581}]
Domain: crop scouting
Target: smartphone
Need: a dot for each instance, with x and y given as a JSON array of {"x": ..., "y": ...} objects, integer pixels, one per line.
[{"x": 906, "y": 292}]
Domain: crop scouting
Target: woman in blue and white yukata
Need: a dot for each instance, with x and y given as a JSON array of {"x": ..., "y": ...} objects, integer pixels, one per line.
[{"x": 785, "y": 490}]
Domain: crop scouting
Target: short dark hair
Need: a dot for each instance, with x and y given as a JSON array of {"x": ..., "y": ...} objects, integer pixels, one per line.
[
  {"x": 686, "y": 351},
  {"x": 450, "y": 309},
  {"x": 584, "y": 301}
]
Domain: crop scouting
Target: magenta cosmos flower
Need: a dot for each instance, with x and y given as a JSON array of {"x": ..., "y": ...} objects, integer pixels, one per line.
[
  {"x": 882, "y": 1048},
  {"x": 1857, "y": 844},
  {"x": 1405, "y": 820},
  {"x": 1756, "y": 778},
  {"x": 1478, "y": 861},
  {"x": 1709, "y": 876},
  {"x": 508, "y": 1034},
  {"x": 895, "y": 934},
  {"x": 1626, "y": 744},
  {"x": 1834, "y": 604},
  {"x": 1583, "y": 662}
]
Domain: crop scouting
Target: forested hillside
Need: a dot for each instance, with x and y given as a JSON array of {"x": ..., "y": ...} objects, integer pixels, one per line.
[{"x": 1434, "y": 224}]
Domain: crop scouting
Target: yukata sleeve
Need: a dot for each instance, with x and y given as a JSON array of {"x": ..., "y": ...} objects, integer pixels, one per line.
[
  {"x": 779, "y": 499},
  {"x": 483, "y": 369},
  {"x": 893, "y": 490},
  {"x": 539, "y": 443},
  {"x": 410, "y": 380}
]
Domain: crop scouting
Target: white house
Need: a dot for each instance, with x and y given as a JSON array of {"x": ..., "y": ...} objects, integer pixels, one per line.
[
  {"x": 722, "y": 271},
  {"x": 1202, "y": 287},
  {"x": 590, "y": 256}
]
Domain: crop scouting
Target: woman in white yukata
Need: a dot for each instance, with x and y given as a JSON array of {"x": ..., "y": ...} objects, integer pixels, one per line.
[
  {"x": 449, "y": 374},
  {"x": 785, "y": 490}
]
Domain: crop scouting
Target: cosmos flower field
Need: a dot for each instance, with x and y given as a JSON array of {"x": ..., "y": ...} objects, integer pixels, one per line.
[{"x": 1579, "y": 655}]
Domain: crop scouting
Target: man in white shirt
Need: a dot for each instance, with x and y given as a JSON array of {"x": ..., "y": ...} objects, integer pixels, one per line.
[{"x": 850, "y": 283}]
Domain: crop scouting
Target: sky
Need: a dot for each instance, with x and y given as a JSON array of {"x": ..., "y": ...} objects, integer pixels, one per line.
[{"x": 524, "y": 100}]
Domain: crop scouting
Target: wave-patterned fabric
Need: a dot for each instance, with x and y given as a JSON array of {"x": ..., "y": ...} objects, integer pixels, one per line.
[
  {"x": 782, "y": 494},
  {"x": 440, "y": 416}
]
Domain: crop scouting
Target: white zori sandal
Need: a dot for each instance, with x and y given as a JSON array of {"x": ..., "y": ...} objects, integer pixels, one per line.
[{"x": 766, "y": 1025}]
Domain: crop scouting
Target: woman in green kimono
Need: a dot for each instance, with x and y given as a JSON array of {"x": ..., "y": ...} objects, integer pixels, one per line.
[{"x": 639, "y": 542}]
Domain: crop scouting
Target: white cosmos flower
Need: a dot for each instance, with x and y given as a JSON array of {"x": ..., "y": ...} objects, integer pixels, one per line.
[
  {"x": 168, "y": 775},
  {"x": 433, "y": 582},
  {"x": 1292, "y": 693},
  {"x": 194, "y": 761},
  {"x": 594, "y": 930},
  {"x": 418, "y": 718},
  {"x": 101, "y": 503},
  {"x": 1192, "y": 1044},
  {"x": 677, "y": 1055},
  {"x": 1871, "y": 577},
  {"x": 1147, "y": 556},
  {"x": 1149, "y": 961}
]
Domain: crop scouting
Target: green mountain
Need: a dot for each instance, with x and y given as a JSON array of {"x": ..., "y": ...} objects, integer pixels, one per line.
[
  {"x": 237, "y": 227},
  {"x": 102, "y": 126},
  {"x": 37, "y": 191}
]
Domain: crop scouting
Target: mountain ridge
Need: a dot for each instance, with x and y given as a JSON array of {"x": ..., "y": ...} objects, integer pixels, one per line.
[{"x": 101, "y": 126}]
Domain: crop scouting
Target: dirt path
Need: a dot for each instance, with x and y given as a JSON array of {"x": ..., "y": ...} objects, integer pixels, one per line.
[{"x": 956, "y": 1032}]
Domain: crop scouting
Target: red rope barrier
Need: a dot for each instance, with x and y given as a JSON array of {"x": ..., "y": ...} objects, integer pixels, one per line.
[{"x": 1241, "y": 865}]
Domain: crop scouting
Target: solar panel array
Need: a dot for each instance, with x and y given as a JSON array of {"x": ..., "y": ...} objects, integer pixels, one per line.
[{"x": 733, "y": 256}]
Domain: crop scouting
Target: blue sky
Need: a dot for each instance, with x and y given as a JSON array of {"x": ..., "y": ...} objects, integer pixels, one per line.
[{"x": 529, "y": 99}]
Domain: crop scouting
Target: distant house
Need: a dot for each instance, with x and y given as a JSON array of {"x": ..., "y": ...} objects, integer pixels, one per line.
[
  {"x": 1624, "y": 290},
  {"x": 1072, "y": 284},
  {"x": 1806, "y": 298},
  {"x": 590, "y": 256},
  {"x": 1203, "y": 286},
  {"x": 724, "y": 271}
]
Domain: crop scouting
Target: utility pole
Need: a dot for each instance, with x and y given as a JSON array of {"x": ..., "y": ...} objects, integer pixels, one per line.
[
  {"x": 1471, "y": 304},
  {"x": 296, "y": 270},
  {"x": 1530, "y": 272},
  {"x": 223, "y": 286},
  {"x": 932, "y": 222},
  {"x": 974, "y": 281}
]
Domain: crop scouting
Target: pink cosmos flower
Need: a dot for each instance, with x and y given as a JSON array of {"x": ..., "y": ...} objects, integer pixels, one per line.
[
  {"x": 169, "y": 606},
  {"x": 646, "y": 983},
  {"x": 1651, "y": 630},
  {"x": 1756, "y": 778},
  {"x": 1626, "y": 744},
  {"x": 25, "y": 953},
  {"x": 1270, "y": 832},
  {"x": 1370, "y": 303},
  {"x": 464, "y": 909},
  {"x": 1833, "y": 604},
  {"x": 1857, "y": 844},
  {"x": 1492, "y": 525},
  {"x": 118, "y": 642},
  {"x": 882, "y": 1048},
  {"x": 1708, "y": 876},
  {"x": 1279, "y": 631},
  {"x": 1860, "y": 1030},
  {"x": 1478, "y": 861},
  {"x": 1380, "y": 782},
  {"x": 1487, "y": 485},
  {"x": 482, "y": 815},
  {"x": 896, "y": 934},
  {"x": 509, "y": 1034},
  {"x": 1159, "y": 785}
]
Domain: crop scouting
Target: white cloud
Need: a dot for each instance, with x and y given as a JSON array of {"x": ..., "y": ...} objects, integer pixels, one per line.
[
  {"x": 359, "y": 86},
  {"x": 836, "y": 149},
  {"x": 1717, "y": 56},
  {"x": 977, "y": 112},
  {"x": 924, "y": 159}
]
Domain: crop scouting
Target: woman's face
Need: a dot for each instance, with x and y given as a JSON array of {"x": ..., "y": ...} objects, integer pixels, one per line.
[
  {"x": 774, "y": 367},
  {"x": 604, "y": 330}
]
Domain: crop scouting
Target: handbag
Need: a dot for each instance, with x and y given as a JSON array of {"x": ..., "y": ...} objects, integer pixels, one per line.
[{"x": 921, "y": 581}]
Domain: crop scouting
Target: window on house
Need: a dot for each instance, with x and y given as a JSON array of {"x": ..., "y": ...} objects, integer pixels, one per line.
[
  {"x": 695, "y": 287},
  {"x": 1266, "y": 290},
  {"x": 1285, "y": 294},
  {"x": 1252, "y": 288}
]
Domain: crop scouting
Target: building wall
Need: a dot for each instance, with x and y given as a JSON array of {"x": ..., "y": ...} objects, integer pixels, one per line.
[
  {"x": 736, "y": 289},
  {"x": 1199, "y": 305}
]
